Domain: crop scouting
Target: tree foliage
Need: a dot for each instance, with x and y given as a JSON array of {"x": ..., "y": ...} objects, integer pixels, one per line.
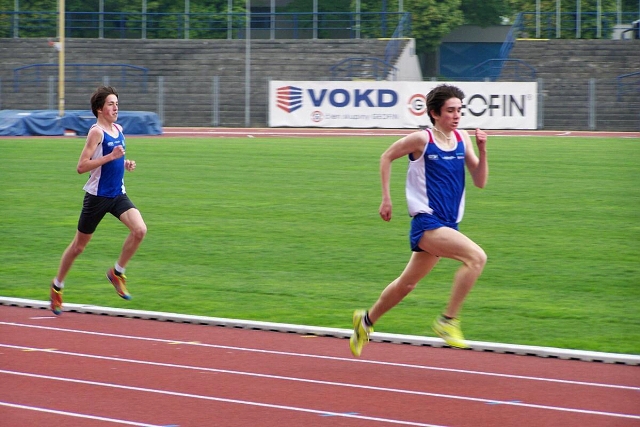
[
  {"x": 159, "y": 6},
  {"x": 486, "y": 12},
  {"x": 431, "y": 20},
  {"x": 325, "y": 6},
  {"x": 569, "y": 22},
  {"x": 571, "y": 5}
]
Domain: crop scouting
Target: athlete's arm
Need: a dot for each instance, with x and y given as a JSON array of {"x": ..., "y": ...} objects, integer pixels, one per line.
[
  {"x": 413, "y": 143},
  {"x": 476, "y": 164},
  {"x": 86, "y": 163}
]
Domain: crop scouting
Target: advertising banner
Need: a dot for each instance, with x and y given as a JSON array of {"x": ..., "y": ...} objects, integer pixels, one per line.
[{"x": 395, "y": 105}]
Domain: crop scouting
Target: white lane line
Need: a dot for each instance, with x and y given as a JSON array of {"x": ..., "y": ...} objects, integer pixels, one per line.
[
  {"x": 77, "y": 415},
  {"x": 560, "y": 353},
  {"x": 220, "y": 399},
  {"x": 341, "y": 359},
  {"x": 335, "y": 384}
]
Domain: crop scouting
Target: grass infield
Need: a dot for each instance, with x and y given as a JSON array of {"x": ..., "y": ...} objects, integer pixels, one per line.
[{"x": 287, "y": 230}]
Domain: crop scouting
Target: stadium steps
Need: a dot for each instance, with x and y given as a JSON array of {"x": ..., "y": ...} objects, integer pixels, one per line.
[
  {"x": 565, "y": 68},
  {"x": 187, "y": 67}
]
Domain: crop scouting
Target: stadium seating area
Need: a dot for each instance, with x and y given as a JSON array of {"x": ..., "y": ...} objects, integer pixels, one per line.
[
  {"x": 183, "y": 70},
  {"x": 566, "y": 69},
  {"x": 183, "y": 76}
]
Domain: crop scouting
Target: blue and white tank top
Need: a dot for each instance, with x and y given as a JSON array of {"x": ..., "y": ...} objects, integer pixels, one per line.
[
  {"x": 436, "y": 181},
  {"x": 107, "y": 180}
]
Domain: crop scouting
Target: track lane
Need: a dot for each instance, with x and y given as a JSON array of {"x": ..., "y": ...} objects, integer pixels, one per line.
[{"x": 275, "y": 371}]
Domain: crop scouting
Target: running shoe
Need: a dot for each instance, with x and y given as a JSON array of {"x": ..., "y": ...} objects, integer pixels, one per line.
[
  {"x": 449, "y": 331},
  {"x": 360, "y": 333},
  {"x": 56, "y": 300},
  {"x": 118, "y": 282}
]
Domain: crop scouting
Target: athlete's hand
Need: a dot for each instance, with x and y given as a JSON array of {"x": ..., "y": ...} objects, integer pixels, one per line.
[
  {"x": 118, "y": 152},
  {"x": 481, "y": 139},
  {"x": 385, "y": 210},
  {"x": 130, "y": 165}
]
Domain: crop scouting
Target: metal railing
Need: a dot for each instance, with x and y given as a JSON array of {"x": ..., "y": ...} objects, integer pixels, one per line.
[
  {"x": 628, "y": 84},
  {"x": 218, "y": 101},
  {"x": 493, "y": 68},
  {"x": 281, "y": 25},
  {"x": 367, "y": 68},
  {"x": 512, "y": 35},
  {"x": 570, "y": 25},
  {"x": 512, "y": 69},
  {"x": 403, "y": 29},
  {"x": 39, "y": 74}
]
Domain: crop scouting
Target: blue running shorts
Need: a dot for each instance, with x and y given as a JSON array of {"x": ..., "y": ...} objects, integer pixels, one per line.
[{"x": 423, "y": 222}]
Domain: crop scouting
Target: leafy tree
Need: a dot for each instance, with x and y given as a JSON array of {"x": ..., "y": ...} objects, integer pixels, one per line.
[
  {"x": 485, "y": 12},
  {"x": 30, "y": 5},
  {"x": 373, "y": 22},
  {"x": 568, "y": 9},
  {"x": 431, "y": 20},
  {"x": 630, "y": 6},
  {"x": 37, "y": 18},
  {"x": 336, "y": 16},
  {"x": 323, "y": 6}
]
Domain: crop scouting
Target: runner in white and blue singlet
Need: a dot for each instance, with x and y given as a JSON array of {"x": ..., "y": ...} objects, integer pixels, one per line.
[
  {"x": 103, "y": 156},
  {"x": 435, "y": 187},
  {"x": 435, "y": 193},
  {"x": 107, "y": 180}
]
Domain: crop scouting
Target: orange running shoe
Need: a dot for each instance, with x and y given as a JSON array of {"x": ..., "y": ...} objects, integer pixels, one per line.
[
  {"x": 56, "y": 300},
  {"x": 118, "y": 282}
]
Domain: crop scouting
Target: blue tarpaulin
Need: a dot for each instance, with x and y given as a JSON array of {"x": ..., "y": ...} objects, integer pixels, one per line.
[{"x": 48, "y": 123}]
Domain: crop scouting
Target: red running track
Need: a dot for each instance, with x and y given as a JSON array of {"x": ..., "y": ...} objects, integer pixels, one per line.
[{"x": 90, "y": 370}]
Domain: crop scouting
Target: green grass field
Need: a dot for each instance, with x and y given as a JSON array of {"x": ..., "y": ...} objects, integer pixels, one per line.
[{"x": 287, "y": 230}]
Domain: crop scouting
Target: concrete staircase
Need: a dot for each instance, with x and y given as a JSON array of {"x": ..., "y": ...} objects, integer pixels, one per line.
[
  {"x": 187, "y": 68},
  {"x": 180, "y": 82},
  {"x": 566, "y": 69}
]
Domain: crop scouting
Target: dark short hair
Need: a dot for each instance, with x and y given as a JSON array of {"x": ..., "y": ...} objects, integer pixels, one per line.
[
  {"x": 439, "y": 95},
  {"x": 100, "y": 96}
]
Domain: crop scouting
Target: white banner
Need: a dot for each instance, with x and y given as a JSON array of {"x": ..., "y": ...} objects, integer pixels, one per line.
[{"x": 395, "y": 105}]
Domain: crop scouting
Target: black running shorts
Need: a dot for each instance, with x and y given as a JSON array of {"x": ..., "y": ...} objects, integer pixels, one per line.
[{"x": 94, "y": 208}]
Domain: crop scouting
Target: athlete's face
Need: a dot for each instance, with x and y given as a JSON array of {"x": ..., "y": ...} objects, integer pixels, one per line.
[
  {"x": 450, "y": 114},
  {"x": 110, "y": 108}
]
